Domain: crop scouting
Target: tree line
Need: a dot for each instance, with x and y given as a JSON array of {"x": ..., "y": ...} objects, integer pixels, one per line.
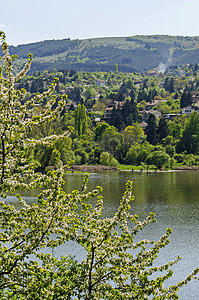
[{"x": 127, "y": 96}]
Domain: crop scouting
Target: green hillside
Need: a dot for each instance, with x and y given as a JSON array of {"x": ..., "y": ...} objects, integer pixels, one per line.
[{"x": 132, "y": 54}]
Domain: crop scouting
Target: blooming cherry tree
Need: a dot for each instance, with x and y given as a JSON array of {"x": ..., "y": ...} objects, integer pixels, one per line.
[{"x": 117, "y": 266}]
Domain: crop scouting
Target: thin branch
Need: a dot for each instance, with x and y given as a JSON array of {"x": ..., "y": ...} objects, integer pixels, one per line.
[
  {"x": 101, "y": 278},
  {"x": 102, "y": 240},
  {"x": 90, "y": 271},
  {"x": 10, "y": 270},
  {"x": 3, "y": 158},
  {"x": 99, "y": 261}
]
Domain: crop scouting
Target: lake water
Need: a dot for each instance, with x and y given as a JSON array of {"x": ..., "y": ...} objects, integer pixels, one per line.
[{"x": 172, "y": 196}]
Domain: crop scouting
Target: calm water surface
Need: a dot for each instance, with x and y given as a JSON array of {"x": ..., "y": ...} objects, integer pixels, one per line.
[{"x": 173, "y": 197}]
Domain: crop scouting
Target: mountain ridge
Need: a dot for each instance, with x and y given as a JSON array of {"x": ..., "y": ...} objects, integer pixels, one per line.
[{"x": 139, "y": 53}]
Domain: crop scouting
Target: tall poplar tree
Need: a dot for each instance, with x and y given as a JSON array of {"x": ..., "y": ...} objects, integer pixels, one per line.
[
  {"x": 81, "y": 124},
  {"x": 151, "y": 129},
  {"x": 162, "y": 129}
]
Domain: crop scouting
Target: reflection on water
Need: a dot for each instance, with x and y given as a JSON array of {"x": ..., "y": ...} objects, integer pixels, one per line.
[{"x": 172, "y": 196}]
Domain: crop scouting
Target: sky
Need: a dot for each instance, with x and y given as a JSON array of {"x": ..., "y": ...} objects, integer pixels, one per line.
[{"x": 25, "y": 22}]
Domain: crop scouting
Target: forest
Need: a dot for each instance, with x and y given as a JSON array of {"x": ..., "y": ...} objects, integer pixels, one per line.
[{"x": 121, "y": 119}]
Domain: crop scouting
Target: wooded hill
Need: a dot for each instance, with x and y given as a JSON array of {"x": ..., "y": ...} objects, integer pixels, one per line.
[{"x": 131, "y": 54}]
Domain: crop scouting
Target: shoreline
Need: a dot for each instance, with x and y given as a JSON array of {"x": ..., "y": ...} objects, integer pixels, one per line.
[{"x": 90, "y": 168}]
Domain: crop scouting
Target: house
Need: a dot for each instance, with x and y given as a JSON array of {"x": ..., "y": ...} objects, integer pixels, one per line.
[
  {"x": 150, "y": 106},
  {"x": 108, "y": 112},
  {"x": 195, "y": 98},
  {"x": 70, "y": 105},
  {"x": 145, "y": 114},
  {"x": 187, "y": 110},
  {"x": 62, "y": 92},
  {"x": 100, "y": 82},
  {"x": 152, "y": 73},
  {"x": 143, "y": 125},
  {"x": 137, "y": 82},
  {"x": 181, "y": 73},
  {"x": 69, "y": 89},
  {"x": 97, "y": 119},
  {"x": 171, "y": 116}
]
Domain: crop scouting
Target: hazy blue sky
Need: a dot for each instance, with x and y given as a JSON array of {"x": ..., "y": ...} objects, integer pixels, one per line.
[{"x": 24, "y": 21}]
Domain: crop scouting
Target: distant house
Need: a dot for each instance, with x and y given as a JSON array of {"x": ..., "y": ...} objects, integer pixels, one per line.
[
  {"x": 187, "y": 110},
  {"x": 157, "y": 113},
  {"x": 152, "y": 73},
  {"x": 195, "y": 98},
  {"x": 143, "y": 125},
  {"x": 62, "y": 91},
  {"x": 145, "y": 114},
  {"x": 171, "y": 116},
  {"x": 137, "y": 82},
  {"x": 69, "y": 89},
  {"x": 100, "y": 82},
  {"x": 118, "y": 104},
  {"x": 150, "y": 106},
  {"x": 181, "y": 73},
  {"x": 97, "y": 119},
  {"x": 70, "y": 105},
  {"x": 107, "y": 112}
]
